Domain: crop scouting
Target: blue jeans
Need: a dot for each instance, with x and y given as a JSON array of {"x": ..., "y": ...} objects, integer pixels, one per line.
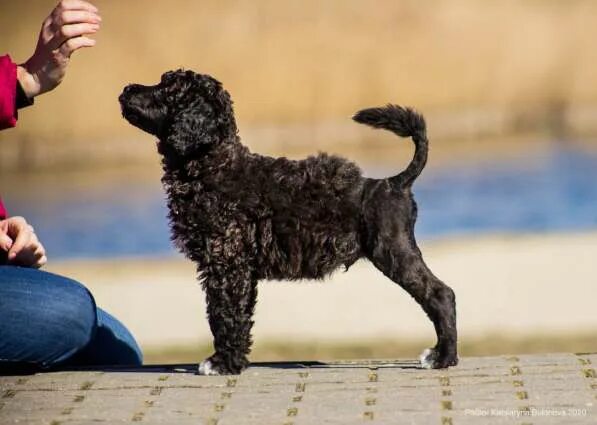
[{"x": 48, "y": 320}]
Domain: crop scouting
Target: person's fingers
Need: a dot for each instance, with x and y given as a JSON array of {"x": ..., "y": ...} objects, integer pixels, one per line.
[
  {"x": 19, "y": 229},
  {"x": 39, "y": 256},
  {"x": 66, "y": 17},
  {"x": 39, "y": 252},
  {"x": 41, "y": 262},
  {"x": 5, "y": 242},
  {"x": 28, "y": 258},
  {"x": 77, "y": 5},
  {"x": 33, "y": 254},
  {"x": 72, "y": 31},
  {"x": 33, "y": 241},
  {"x": 18, "y": 246},
  {"x": 36, "y": 247},
  {"x": 72, "y": 44},
  {"x": 67, "y": 25}
]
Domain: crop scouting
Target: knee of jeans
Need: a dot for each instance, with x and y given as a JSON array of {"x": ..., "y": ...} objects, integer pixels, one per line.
[
  {"x": 72, "y": 319},
  {"x": 51, "y": 317}
]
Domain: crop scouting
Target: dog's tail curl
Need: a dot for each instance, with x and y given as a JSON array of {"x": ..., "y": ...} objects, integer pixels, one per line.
[{"x": 404, "y": 122}]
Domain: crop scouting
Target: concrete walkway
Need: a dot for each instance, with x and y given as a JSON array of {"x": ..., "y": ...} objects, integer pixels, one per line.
[{"x": 538, "y": 389}]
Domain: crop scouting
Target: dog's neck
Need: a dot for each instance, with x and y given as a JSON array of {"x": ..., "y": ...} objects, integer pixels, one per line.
[{"x": 206, "y": 160}]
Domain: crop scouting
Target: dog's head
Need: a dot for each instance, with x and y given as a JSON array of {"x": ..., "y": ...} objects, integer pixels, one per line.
[{"x": 185, "y": 110}]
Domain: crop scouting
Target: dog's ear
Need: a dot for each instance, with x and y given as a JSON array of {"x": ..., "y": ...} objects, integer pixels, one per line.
[
  {"x": 190, "y": 131},
  {"x": 207, "y": 121},
  {"x": 217, "y": 104}
]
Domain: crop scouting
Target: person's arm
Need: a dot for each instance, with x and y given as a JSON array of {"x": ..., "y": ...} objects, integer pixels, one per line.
[
  {"x": 3, "y": 213},
  {"x": 8, "y": 92},
  {"x": 62, "y": 33}
]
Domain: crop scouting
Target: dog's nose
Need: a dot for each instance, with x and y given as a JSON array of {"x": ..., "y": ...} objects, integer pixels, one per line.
[
  {"x": 127, "y": 92},
  {"x": 132, "y": 89}
]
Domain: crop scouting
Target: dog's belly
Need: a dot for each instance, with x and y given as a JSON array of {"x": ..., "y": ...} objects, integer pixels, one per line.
[{"x": 304, "y": 253}]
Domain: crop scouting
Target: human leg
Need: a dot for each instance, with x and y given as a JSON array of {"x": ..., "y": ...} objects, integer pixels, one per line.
[
  {"x": 48, "y": 320},
  {"x": 112, "y": 344},
  {"x": 44, "y": 318}
]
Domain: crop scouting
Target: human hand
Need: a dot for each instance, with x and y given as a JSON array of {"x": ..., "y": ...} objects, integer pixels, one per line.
[
  {"x": 63, "y": 32},
  {"x": 19, "y": 241}
]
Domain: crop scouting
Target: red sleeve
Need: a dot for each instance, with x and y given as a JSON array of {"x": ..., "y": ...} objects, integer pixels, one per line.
[
  {"x": 8, "y": 89},
  {"x": 3, "y": 213}
]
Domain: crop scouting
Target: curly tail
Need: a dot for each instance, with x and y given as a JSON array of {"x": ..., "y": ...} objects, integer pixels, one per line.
[{"x": 404, "y": 122}]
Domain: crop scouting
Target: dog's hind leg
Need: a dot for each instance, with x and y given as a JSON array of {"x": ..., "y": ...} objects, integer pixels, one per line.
[
  {"x": 408, "y": 269},
  {"x": 439, "y": 302},
  {"x": 230, "y": 305},
  {"x": 391, "y": 246}
]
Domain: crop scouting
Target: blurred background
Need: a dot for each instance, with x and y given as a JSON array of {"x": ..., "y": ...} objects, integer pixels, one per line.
[{"x": 508, "y": 201}]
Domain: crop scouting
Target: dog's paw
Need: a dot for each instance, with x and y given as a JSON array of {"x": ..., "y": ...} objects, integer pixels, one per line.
[
  {"x": 219, "y": 365},
  {"x": 427, "y": 358},
  {"x": 430, "y": 359},
  {"x": 207, "y": 368}
]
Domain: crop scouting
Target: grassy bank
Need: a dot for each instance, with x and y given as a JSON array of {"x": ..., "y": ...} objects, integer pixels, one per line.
[
  {"x": 477, "y": 68},
  {"x": 490, "y": 345}
]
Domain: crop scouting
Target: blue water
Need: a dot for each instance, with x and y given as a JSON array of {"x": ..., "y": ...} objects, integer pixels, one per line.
[{"x": 554, "y": 192}]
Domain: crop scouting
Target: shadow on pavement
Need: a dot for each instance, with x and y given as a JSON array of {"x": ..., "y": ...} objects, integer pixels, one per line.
[{"x": 29, "y": 368}]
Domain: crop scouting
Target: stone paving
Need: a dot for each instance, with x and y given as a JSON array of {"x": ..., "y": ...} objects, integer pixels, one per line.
[{"x": 525, "y": 389}]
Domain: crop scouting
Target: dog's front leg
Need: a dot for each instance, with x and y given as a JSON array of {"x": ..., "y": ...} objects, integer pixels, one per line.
[{"x": 230, "y": 306}]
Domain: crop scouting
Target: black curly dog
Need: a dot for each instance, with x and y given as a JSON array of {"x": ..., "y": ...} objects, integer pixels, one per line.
[{"x": 243, "y": 217}]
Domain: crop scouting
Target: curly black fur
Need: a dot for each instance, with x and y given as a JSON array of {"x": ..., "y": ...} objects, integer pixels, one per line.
[{"x": 243, "y": 217}]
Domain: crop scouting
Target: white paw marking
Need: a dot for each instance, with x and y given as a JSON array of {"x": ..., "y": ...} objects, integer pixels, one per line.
[
  {"x": 426, "y": 358},
  {"x": 206, "y": 368}
]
